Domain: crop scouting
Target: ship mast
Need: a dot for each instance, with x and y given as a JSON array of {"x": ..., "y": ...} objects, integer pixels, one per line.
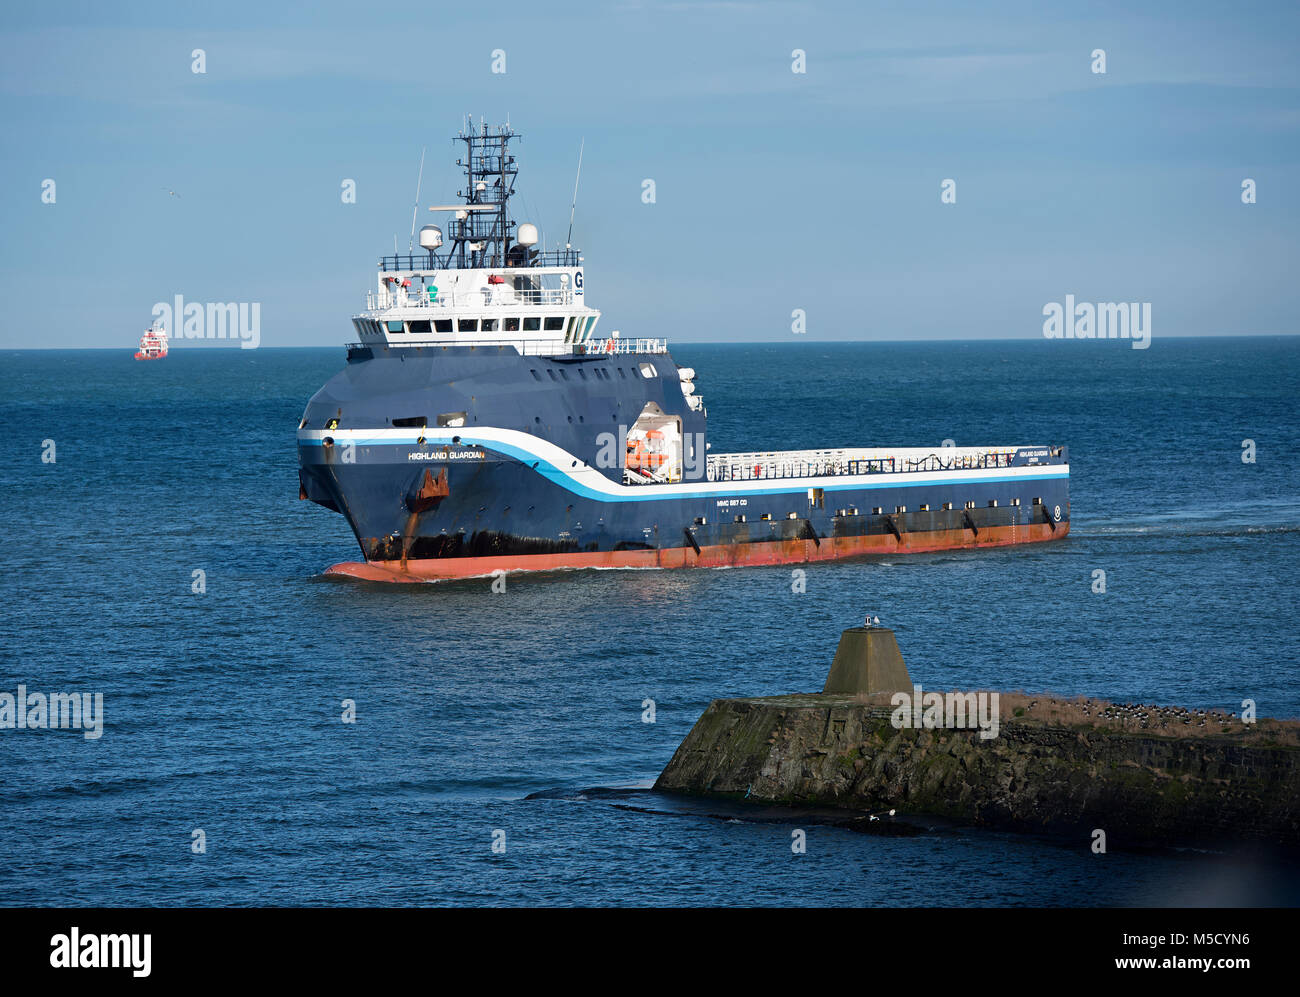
[
  {"x": 481, "y": 234},
  {"x": 482, "y": 237}
]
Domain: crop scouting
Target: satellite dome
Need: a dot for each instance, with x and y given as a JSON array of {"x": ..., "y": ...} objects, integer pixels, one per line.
[
  {"x": 527, "y": 235},
  {"x": 430, "y": 237}
]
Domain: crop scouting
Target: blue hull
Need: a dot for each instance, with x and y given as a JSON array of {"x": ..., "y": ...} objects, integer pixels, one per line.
[{"x": 519, "y": 479}]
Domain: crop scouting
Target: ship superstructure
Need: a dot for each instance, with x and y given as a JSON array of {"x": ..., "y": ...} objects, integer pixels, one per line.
[{"x": 485, "y": 420}]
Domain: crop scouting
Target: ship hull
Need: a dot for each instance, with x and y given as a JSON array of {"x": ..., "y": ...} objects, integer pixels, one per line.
[
  {"x": 423, "y": 507},
  {"x": 431, "y": 501}
]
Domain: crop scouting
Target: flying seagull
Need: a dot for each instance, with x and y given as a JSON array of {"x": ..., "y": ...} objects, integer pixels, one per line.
[{"x": 171, "y": 192}]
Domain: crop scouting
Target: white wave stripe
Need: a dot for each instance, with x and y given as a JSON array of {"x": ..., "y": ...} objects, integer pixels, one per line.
[{"x": 554, "y": 461}]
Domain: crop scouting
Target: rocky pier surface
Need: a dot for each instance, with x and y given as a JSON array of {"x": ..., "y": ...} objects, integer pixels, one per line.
[{"x": 1145, "y": 775}]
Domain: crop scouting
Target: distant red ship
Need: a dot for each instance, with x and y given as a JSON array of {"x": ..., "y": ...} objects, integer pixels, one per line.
[{"x": 153, "y": 344}]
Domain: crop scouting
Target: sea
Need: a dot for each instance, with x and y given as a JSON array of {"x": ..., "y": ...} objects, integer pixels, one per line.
[{"x": 502, "y": 750}]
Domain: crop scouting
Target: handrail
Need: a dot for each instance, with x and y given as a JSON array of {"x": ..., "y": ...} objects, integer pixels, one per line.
[
  {"x": 826, "y": 463},
  {"x": 444, "y": 260},
  {"x": 492, "y": 296},
  {"x": 530, "y": 347}
]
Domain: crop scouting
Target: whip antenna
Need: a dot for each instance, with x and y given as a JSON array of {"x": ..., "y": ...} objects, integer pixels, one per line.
[
  {"x": 568, "y": 241},
  {"x": 410, "y": 246}
]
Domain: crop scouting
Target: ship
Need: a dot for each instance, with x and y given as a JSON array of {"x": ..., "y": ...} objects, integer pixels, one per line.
[
  {"x": 485, "y": 422},
  {"x": 153, "y": 344}
]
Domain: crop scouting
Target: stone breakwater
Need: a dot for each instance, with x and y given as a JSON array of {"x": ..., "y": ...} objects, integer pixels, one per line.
[{"x": 1055, "y": 765}]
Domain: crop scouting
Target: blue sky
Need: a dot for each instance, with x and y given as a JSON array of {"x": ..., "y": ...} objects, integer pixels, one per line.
[{"x": 775, "y": 190}]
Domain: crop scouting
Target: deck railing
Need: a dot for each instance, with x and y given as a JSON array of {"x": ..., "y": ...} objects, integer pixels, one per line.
[
  {"x": 530, "y": 347},
  {"x": 493, "y": 295},
  {"x": 420, "y": 262},
  {"x": 823, "y": 463}
]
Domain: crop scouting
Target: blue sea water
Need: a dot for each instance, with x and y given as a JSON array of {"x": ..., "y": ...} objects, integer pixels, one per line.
[{"x": 522, "y": 712}]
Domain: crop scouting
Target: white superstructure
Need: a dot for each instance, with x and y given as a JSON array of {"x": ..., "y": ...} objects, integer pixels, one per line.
[{"x": 487, "y": 285}]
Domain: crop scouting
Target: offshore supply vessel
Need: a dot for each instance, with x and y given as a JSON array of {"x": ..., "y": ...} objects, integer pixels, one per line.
[{"x": 483, "y": 421}]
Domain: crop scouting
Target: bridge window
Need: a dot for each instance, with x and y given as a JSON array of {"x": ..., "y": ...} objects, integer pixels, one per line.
[
  {"x": 554, "y": 323},
  {"x": 467, "y": 325},
  {"x": 412, "y": 422},
  {"x": 442, "y": 324},
  {"x": 396, "y": 326},
  {"x": 511, "y": 324},
  {"x": 648, "y": 370},
  {"x": 420, "y": 327},
  {"x": 532, "y": 324},
  {"x": 489, "y": 325},
  {"x": 452, "y": 419}
]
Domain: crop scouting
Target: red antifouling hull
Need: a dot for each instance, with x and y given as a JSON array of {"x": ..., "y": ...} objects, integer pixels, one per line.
[{"x": 768, "y": 552}]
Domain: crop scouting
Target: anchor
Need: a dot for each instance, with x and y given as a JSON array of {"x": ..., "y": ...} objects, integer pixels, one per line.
[{"x": 431, "y": 490}]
